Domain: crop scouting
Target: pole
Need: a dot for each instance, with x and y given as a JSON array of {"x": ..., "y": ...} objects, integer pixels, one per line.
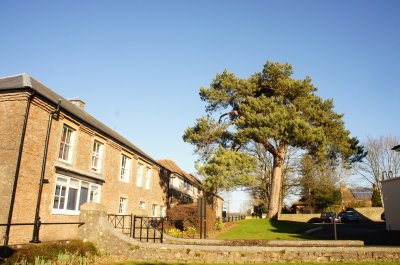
[
  {"x": 205, "y": 218},
  {"x": 200, "y": 205},
  {"x": 334, "y": 225}
]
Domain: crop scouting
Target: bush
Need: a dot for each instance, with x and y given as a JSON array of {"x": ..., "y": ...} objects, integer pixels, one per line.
[
  {"x": 191, "y": 231},
  {"x": 218, "y": 226},
  {"x": 49, "y": 252},
  {"x": 174, "y": 232}
]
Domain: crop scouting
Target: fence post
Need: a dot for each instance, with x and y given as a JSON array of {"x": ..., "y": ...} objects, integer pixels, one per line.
[
  {"x": 154, "y": 229},
  {"x": 147, "y": 230},
  {"x": 130, "y": 228},
  {"x": 162, "y": 229},
  {"x": 141, "y": 227}
]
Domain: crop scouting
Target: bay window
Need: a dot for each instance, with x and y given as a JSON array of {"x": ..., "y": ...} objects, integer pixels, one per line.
[{"x": 71, "y": 193}]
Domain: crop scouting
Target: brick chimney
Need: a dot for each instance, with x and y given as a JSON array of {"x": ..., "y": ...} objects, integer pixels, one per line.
[{"x": 78, "y": 102}]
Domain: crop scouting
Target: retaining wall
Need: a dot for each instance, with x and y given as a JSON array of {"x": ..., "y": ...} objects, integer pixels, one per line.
[
  {"x": 109, "y": 240},
  {"x": 305, "y": 217}
]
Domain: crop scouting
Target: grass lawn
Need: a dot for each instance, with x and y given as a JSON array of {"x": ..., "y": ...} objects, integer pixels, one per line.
[
  {"x": 302, "y": 263},
  {"x": 265, "y": 229}
]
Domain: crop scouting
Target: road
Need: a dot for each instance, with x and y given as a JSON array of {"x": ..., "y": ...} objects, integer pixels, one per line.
[{"x": 373, "y": 234}]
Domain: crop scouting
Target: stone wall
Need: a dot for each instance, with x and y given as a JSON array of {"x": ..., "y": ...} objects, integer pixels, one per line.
[
  {"x": 299, "y": 217},
  {"x": 109, "y": 240},
  {"x": 371, "y": 213}
]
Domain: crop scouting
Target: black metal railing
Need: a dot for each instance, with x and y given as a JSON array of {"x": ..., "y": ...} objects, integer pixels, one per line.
[
  {"x": 148, "y": 228},
  {"x": 139, "y": 227},
  {"x": 123, "y": 222},
  {"x": 229, "y": 219},
  {"x": 38, "y": 226}
]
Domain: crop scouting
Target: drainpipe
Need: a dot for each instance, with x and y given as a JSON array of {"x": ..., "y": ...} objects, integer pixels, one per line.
[
  {"x": 21, "y": 146},
  {"x": 37, "y": 223}
]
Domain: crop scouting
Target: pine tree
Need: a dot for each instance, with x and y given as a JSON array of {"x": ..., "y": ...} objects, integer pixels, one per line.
[{"x": 273, "y": 109}]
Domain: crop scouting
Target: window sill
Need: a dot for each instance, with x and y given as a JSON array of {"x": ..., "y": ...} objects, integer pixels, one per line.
[
  {"x": 67, "y": 162},
  {"x": 64, "y": 212}
]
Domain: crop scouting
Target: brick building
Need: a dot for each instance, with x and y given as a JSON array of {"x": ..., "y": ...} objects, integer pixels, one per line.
[
  {"x": 85, "y": 161},
  {"x": 183, "y": 187}
]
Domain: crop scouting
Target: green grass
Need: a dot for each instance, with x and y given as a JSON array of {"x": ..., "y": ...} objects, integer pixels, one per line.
[
  {"x": 265, "y": 229},
  {"x": 296, "y": 263}
]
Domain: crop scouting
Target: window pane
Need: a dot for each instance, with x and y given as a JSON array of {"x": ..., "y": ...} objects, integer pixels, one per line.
[
  {"x": 139, "y": 175},
  {"x": 122, "y": 205},
  {"x": 83, "y": 195},
  {"x": 56, "y": 197},
  {"x": 94, "y": 193},
  {"x": 72, "y": 198}
]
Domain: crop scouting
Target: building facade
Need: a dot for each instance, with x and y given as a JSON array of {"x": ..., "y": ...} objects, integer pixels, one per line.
[
  {"x": 183, "y": 187},
  {"x": 55, "y": 153},
  {"x": 391, "y": 199}
]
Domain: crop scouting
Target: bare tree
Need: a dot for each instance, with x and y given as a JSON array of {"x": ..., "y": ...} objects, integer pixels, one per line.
[{"x": 380, "y": 158}]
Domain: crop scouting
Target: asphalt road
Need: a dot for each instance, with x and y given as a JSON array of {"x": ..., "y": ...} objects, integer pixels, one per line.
[{"x": 373, "y": 234}]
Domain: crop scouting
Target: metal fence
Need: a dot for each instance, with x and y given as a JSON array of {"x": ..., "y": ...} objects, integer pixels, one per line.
[
  {"x": 229, "y": 219},
  {"x": 139, "y": 227},
  {"x": 35, "y": 238}
]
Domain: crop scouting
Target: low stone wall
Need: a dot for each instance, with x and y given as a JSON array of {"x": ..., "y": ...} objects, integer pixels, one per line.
[
  {"x": 299, "y": 217},
  {"x": 371, "y": 213},
  {"x": 98, "y": 230}
]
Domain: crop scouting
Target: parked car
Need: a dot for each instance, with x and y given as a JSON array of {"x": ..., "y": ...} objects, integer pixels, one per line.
[
  {"x": 328, "y": 217},
  {"x": 349, "y": 216}
]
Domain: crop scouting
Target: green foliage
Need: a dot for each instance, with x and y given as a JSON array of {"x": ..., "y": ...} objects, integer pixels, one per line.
[
  {"x": 376, "y": 198},
  {"x": 218, "y": 226},
  {"x": 47, "y": 253},
  {"x": 318, "y": 184},
  {"x": 191, "y": 231},
  {"x": 174, "y": 232},
  {"x": 270, "y": 108},
  {"x": 227, "y": 169}
]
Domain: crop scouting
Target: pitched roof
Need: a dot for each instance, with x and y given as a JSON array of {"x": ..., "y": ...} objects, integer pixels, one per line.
[
  {"x": 174, "y": 168},
  {"x": 361, "y": 192},
  {"x": 25, "y": 81}
]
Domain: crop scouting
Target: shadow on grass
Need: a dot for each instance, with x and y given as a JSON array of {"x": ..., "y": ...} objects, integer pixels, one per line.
[{"x": 296, "y": 229}]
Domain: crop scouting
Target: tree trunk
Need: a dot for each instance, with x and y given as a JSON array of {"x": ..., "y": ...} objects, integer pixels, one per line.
[{"x": 276, "y": 185}]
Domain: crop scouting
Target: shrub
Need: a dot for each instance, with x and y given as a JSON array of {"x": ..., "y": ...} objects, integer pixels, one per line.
[
  {"x": 49, "y": 252},
  {"x": 191, "y": 231},
  {"x": 174, "y": 232},
  {"x": 218, "y": 225}
]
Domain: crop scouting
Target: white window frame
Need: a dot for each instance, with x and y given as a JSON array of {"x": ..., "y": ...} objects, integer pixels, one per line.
[
  {"x": 66, "y": 156},
  {"x": 139, "y": 175},
  {"x": 97, "y": 154},
  {"x": 142, "y": 205},
  {"x": 94, "y": 192},
  {"x": 154, "y": 210},
  {"x": 125, "y": 168},
  {"x": 122, "y": 205},
  {"x": 163, "y": 211},
  {"x": 148, "y": 178}
]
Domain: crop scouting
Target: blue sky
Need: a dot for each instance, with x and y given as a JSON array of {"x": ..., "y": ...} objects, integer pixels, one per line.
[{"x": 139, "y": 65}]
